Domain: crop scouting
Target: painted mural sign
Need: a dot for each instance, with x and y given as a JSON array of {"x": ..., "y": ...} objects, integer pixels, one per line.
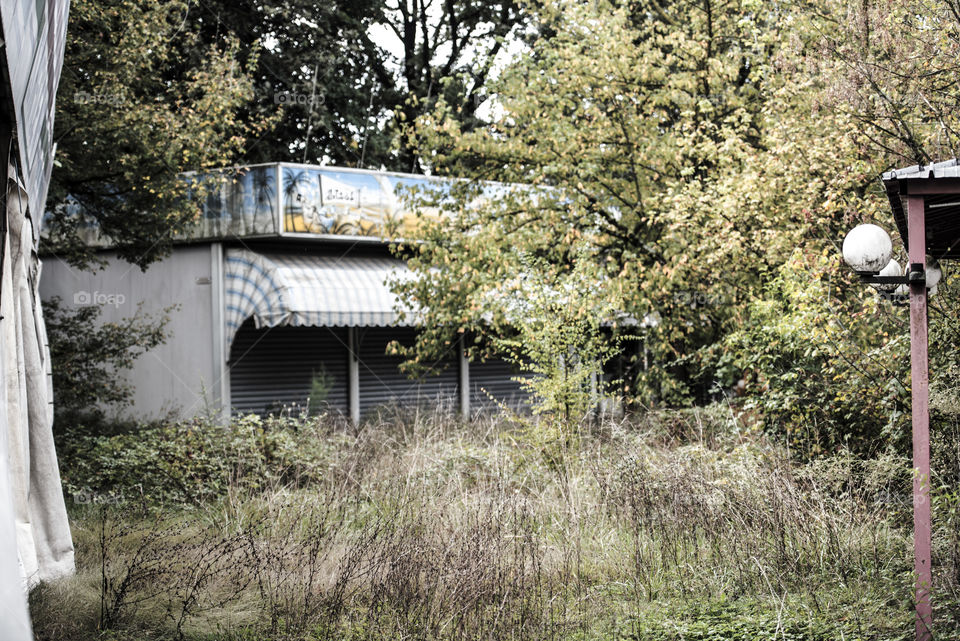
[
  {"x": 278, "y": 199},
  {"x": 332, "y": 202},
  {"x": 238, "y": 202}
]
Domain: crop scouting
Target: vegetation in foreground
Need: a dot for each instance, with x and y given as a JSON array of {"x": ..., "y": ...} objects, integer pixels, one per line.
[{"x": 674, "y": 526}]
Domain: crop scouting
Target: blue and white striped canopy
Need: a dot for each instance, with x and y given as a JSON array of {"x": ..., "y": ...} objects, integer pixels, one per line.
[{"x": 317, "y": 291}]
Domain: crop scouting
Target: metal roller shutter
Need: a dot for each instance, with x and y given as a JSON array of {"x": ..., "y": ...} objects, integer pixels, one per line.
[
  {"x": 272, "y": 368},
  {"x": 383, "y": 384},
  {"x": 492, "y": 382}
]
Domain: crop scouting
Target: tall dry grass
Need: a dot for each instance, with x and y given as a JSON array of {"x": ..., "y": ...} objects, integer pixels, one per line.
[{"x": 422, "y": 527}]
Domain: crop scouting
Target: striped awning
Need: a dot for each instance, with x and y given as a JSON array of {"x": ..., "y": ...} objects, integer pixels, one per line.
[{"x": 316, "y": 291}]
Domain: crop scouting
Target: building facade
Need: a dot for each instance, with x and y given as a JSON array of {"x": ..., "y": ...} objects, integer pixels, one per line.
[{"x": 279, "y": 298}]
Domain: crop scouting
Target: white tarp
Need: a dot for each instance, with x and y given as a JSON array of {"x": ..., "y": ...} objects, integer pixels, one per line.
[{"x": 33, "y": 517}]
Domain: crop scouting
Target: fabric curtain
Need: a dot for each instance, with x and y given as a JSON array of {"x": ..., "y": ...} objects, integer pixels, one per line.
[{"x": 32, "y": 507}]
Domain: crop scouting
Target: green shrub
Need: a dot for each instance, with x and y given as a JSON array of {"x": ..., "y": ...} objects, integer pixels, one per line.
[
  {"x": 748, "y": 621},
  {"x": 87, "y": 357},
  {"x": 320, "y": 386},
  {"x": 563, "y": 340},
  {"x": 825, "y": 366},
  {"x": 189, "y": 462}
]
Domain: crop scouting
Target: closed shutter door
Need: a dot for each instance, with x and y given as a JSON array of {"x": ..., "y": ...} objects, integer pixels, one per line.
[
  {"x": 383, "y": 384},
  {"x": 492, "y": 382},
  {"x": 272, "y": 369}
]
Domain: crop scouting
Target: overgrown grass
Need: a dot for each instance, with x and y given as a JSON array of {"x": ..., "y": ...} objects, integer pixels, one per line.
[{"x": 676, "y": 526}]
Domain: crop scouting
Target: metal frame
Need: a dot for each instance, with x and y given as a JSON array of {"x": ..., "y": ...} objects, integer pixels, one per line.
[
  {"x": 931, "y": 186},
  {"x": 463, "y": 377},
  {"x": 919, "y": 376},
  {"x": 353, "y": 375},
  {"x": 221, "y": 371},
  {"x": 915, "y": 187},
  {"x": 916, "y": 274}
]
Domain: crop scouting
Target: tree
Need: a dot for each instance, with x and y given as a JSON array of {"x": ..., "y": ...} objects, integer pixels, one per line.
[
  {"x": 450, "y": 50},
  {"x": 315, "y": 71},
  {"x": 151, "y": 90},
  {"x": 141, "y": 100},
  {"x": 892, "y": 67},
  {"x": 348, "y": 99},
  {"x": 88, "y": 357},
  {"x": 662, "y": 138},
  {"x": 561, "y": 340}
]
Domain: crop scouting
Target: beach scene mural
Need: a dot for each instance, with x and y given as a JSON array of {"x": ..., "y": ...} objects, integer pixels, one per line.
[
  {"x": 237, "y": 202},
  {"x": 274, "y": 199},
  {"x": 333, "y": 202}
]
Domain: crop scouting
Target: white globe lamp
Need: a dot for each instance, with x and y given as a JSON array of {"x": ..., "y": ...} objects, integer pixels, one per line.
[
  {"x": 867, "y": 249},
  {"x": 934, "y": 273},
  {"x": 893, "y": 268}
]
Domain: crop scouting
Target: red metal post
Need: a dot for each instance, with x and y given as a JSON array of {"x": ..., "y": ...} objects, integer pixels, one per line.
[{"x": 919, "y": 366}]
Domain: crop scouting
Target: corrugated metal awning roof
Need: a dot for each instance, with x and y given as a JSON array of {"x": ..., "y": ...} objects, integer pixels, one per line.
[
  {"x": 942, "y": 218},
  {"x": 945, "y": 169},
  {"x": 316, "y": 291}
]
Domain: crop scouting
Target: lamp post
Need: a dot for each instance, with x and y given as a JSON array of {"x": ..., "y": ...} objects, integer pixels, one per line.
[{"x": 868, "y": 250}]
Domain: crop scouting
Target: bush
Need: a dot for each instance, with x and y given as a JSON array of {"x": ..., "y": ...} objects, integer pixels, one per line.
[
  {"x": 563, "y": 339},
  {"x": 191, "y": 462},
  {"x": 87, "y": 359},
  {"x": 824, "y": 366},
  {"x": 320, "y": 386},
  {"x": 749, "y": 621}
]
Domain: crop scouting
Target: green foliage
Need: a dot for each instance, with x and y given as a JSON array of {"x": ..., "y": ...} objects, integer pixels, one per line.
[
  {"x": 320, "y": 386},
  {"x": 141, "y": 99},
  {"x": 188, "y": 463},
  {"x": 746, "y": 621},
  {"x": 87, "y": 358},
  {"x": 660, "y": 140},
  {"x": 824, "y": 362},
  {"x": 944, "y": 355},
  {"x": 560, "y": 341}
]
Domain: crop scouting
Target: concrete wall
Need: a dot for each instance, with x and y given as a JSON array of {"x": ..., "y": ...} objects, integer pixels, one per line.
[{"x": 182, "y": 376}]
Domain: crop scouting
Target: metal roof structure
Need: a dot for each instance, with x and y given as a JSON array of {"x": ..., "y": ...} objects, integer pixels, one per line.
[{"x": 939, "y": 184}]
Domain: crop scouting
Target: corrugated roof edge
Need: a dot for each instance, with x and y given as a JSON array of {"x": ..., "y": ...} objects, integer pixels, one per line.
[
  {"x": 944, "y": 169},
  {"x": 892, "y": 182}
]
